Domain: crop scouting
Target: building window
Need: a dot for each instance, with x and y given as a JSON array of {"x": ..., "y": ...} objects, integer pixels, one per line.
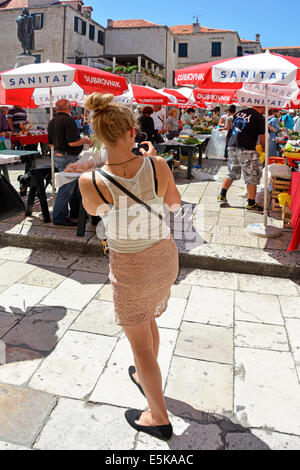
[
  {"x": 38, "y": 20},
  {"x": 248, "y": 52},
  {"x": 38, "y": 58},
  {"x": 173, "y": 78},
  {"x": 216, "y": 49},
  {"x": 78, "y": 60},
  {"x": 183, "y": 49},
  {"x": 79, "y": 26},
  {"x": 101, "y": 37},
  {"x": 92, "y": 32},
  {"x": 174, "y": 46},
  {"x": 239, "y": 51}
]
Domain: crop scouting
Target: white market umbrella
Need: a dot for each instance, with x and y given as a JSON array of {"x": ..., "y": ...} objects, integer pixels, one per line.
[
  {"x": 266, "y": 69},
  {"x": 49, "y": 76}
]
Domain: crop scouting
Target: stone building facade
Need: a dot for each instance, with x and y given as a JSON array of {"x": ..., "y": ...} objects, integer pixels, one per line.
[
  {"x": 290, "y": 51},
  {"x": 197, "y": 44},
  {"x": 148, "y": 45},
  {"x": 64, "y": 32}
]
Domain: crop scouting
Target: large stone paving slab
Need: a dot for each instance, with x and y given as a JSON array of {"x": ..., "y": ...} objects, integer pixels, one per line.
[
  {"x": 277, "y": 441},
  {"x": 20, "y": 298},
  {"x": 46, "y": 277},
  {"x": 267, "y": 285},
  {"x": 197, "y": 277},
  {"x": 11, "y": 253},
  {"x": 75, "y": 425},
  {"x": 293, "y": 329},
  {"x": 188, "y": 435},
  {"x": 42, "y": 328},
  {"x": 20, "y": 365},
  {"x": 260, "y": 308},
  {"x": 73, "y": 368},
  {"x": 7, "y": 446},
  {"x": 76, "y": 291},
  {"x": 12, "y": 271},
  {"x": 210, "y": 306},
  {"x": 267, "y": 391},
  {"x": 290, "y": 306},
  {"x": 115, "y": 387},
  {"x": 206, "y": 386},
  {"x": 206, "y": 342},
  {"x": 173, "y": 316},
  {"x": 23, "y": 413},
  {"x": 258, "y": 335},
  {"x": 95, "y": 265},
  {"x": 7, "y": 321},
  {"x": 98, "y": 317},
  {"x": 52, "y": 259},
  {"x": 245, "y": 441}
]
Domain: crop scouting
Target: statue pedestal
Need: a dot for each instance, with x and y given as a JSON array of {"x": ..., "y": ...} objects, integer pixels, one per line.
[{"x": 24, "y": 60}]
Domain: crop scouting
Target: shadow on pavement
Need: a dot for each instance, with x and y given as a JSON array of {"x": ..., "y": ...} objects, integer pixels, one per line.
[
  {"x": 32, "y": 334},
  {"x": 207, "y": 431}
]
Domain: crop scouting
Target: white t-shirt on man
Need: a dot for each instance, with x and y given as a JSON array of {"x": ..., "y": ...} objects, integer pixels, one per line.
[{"x": 159, "y": 118}]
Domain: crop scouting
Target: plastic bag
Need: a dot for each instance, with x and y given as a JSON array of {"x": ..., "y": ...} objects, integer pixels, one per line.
[
  {"x": 280, "y": 171},
  {"x": 260, "y": 199},
  {"x": 217, "y": 144}
]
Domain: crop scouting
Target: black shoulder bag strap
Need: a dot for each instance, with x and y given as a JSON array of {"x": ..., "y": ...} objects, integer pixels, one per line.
[{"x": 132, "y": 196}]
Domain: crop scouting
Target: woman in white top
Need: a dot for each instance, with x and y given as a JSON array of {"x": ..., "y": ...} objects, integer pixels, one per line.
[{"x": 143, "y": 254}]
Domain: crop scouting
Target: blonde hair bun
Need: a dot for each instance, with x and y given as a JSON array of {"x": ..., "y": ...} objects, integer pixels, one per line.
[{"x": 98, "y": 103}]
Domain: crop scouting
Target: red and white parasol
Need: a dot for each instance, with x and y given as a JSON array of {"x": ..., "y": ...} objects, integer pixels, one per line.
[
  {"x": 49, "y": 76},
  {"x": 266, "y": 69}
]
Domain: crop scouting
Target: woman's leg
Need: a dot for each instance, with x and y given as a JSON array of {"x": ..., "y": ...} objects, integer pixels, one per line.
[
  {"x": 141, "y": 340},
  {"x": 155, "y": 342}
]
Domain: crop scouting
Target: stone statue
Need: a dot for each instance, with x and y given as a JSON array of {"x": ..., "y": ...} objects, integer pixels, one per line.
[{"x": 26, "y": 31}]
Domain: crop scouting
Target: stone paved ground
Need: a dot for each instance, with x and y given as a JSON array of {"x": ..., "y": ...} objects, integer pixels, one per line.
[
  {"x": 220, "y": 229},
  {"x": 230, "y": 359}
]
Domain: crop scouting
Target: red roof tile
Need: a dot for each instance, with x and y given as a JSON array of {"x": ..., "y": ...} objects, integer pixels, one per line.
[
  {"x": 13, "y": 4},
  {"x": 188, "y": 29},
  {"x": 281, "y": 47},
  {"x": 133, "y": 24}
]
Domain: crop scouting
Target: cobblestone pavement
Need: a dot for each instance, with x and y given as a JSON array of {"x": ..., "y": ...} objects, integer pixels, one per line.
[{"x": 230, "y": 359}]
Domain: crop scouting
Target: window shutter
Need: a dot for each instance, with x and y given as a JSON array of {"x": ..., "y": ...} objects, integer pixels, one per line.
[
  {"x": 76, "y": 24},
  {"x": 84, "y": 28}
]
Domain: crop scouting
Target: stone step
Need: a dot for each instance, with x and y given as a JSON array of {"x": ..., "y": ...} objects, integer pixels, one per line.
[{"x": 213, "y": 257}]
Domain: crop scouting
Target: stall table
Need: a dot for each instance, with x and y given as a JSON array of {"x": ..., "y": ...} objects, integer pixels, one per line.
[
  {"x": 11, "y": 156},
  {"x": 190, "y": 150},
  {"x": 295, "y": 208},
  {"x": 24, "y": 140}
]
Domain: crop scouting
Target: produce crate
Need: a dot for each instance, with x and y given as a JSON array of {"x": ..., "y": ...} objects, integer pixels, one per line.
[{"x": 280, "y": 185}]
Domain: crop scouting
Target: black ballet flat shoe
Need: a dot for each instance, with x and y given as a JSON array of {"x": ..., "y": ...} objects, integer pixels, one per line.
[
  {"x": 164, "y": 433},
  {"x": 132, "y": 371}
]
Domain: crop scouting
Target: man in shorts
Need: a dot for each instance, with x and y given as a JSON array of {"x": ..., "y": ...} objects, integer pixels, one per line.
[{"x": 249, "y": 125}]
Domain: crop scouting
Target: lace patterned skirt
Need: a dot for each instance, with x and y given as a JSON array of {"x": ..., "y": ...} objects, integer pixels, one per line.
[{"x": 142, "y": 282}]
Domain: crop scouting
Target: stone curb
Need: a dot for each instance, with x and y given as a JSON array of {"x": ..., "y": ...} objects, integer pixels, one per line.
[{"x": 274, "y": 263}]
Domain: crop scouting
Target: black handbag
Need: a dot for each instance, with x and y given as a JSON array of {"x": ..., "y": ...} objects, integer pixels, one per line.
[{"x": 11, "y": 204}]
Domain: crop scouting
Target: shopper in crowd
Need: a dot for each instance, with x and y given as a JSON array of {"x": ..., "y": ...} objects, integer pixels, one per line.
[
  {"x": 288, "y": 120},
  {"x": 64, "y": 135},
  {"x": 228, "y": 126},
  {"x": 143, "y": 265},
  {"x": 172, "y": 124},
  {"x": 16, "y": 116},
  {"x": 273, "y": 130},
  {"x": 4, "y": 128},
  {"x": 297, "y": 123},
  {"x": 146, "y": 124},
  {"x": 159, "y": 118},
  {"x": 249, "y": 125},
  {"x": 77, "y": 122},
  {"x": 188, "y": 119}
]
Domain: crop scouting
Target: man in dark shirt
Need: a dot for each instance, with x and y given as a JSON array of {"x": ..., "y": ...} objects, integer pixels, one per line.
[
  {"x": 64, "y": 135},
  {"x": 249, "y": 125}
]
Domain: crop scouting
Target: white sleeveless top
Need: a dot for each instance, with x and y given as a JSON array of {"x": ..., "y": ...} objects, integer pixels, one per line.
[{"x": 129, "y": 227}]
